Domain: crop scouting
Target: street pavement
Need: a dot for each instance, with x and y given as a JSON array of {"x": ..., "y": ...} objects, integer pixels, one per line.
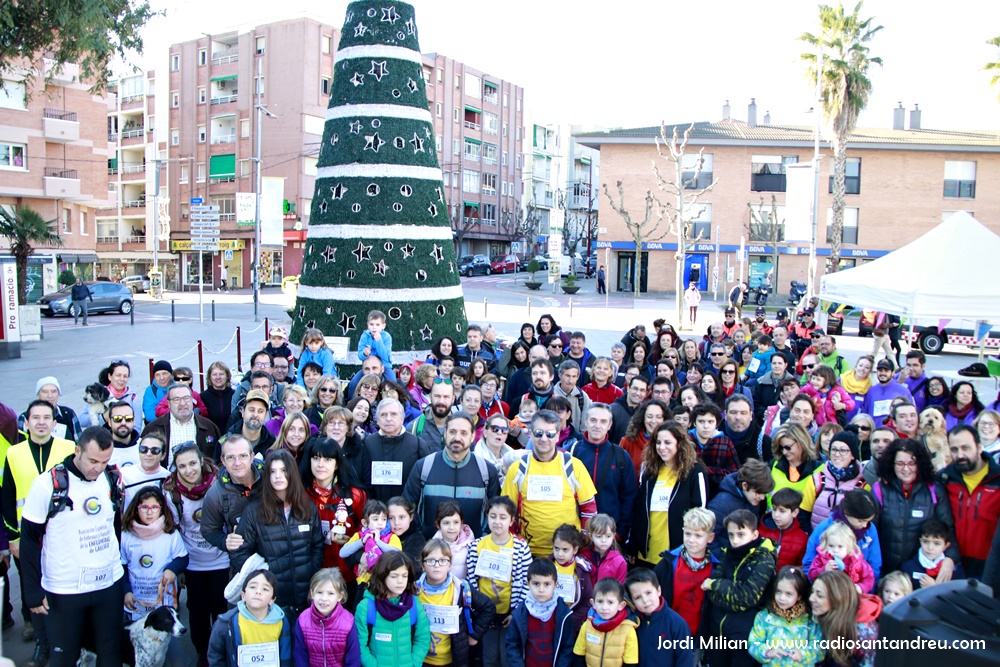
[{"x": 75, "y": 354}]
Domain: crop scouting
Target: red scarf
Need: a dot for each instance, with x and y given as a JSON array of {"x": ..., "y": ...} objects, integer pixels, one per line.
[
  {"x": 196, "y": 492},
  {"x": 960, "y": 413}
]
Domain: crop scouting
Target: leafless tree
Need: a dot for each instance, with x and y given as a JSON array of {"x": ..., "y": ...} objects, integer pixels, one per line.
[
  {"x": 642, "y": 231},
  {"x": 680, "y": 207},
  {"x": 462, "y": 225},
  {"x": 517, "y": 224},
  {"x": 765, "y": 227}
]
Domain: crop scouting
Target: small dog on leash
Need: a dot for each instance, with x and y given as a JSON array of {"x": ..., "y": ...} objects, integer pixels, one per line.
[
  {"x": 934, "y": 435},
  {"x": 151, "y": 635},
  {"x": 96, "y": 397}
]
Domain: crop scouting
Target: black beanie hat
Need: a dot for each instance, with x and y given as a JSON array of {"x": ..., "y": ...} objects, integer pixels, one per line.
[
  {"x": 163, "y": 365},
  {"x": 850, "y": 438}
]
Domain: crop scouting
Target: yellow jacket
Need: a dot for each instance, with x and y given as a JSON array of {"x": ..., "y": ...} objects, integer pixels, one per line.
[
  {"x": 22, "y": 468},
  {"x": 608, "y": 649}
]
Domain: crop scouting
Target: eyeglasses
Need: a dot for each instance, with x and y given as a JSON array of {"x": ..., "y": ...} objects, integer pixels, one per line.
[
  {"x": 328, "y": 390},
  {"x": 905, "y": 464},
  {"x": 262, "y": 364},
  {"x": 498, "y": 429},
  {"x": 373, "y": 387},
  {"x": 434, "y": 562},
  {"x": 155, "y": 451},
  {"x": 728, "y": 371},
  {"x": 338, "y": 423},
  {"x": 808, "y": 366},
  {"x": 815, "y": 335},
  {"x": 231, "y": 458},
  {"x": 442, "y": 380},
  {"x": 181, "y": 399},
  {"x": 149, "y": 508},
  {"x": 840, "y": 450},
  {"x": 548, "y": 434},
  {"x": 489, "y": 385},
  {"x": 862, "y": 427},
  {"x": 555, "y": 345},
  {"x": 716, "y": 354},
  {"x": 182, "y": 378},
  {"x": 787, "y": 448},
  {"x": 118, "y": 419},
  {"x": 986, "y": 424}
]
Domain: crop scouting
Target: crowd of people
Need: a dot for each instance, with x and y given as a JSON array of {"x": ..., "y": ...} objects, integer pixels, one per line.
[{"x": 523, "y": 505}]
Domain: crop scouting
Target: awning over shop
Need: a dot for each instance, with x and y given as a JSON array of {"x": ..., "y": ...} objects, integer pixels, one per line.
[{"x": 78, "y": 259}]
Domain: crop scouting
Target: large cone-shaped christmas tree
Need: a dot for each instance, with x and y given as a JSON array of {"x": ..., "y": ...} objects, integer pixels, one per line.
[{"x": 379, "y": 231}]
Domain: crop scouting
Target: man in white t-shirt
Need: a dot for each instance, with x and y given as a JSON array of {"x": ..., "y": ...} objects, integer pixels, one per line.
[{"x": 77, "y": 578}]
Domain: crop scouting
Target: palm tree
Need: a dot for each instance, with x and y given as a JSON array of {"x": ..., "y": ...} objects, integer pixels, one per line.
[
  {"x": 25, "y": 228},
  {"x": 845, "y": 87},
  {"x": 995, "y": 65}
]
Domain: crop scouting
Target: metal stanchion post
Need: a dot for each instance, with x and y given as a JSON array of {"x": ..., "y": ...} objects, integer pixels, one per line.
[{"x": 173, "y": 312}]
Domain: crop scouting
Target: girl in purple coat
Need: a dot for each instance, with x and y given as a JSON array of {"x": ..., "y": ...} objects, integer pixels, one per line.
[{"x": 325, "y": 634}]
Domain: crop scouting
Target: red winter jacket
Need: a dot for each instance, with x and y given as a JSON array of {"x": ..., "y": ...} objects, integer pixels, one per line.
[
  {"x": 976, "y": 514},
  {"x": 606, "y": 394},
  {"x": 790, "y": 543}
]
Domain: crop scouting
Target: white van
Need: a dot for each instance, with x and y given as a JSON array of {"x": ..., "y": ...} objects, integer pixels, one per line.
[{"x": 958, "y": 332}]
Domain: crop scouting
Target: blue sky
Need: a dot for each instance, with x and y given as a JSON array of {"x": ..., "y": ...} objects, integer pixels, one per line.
[{"x": 636, "y": 63}]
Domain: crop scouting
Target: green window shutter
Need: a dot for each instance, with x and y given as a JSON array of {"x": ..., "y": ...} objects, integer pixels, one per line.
[
  {"x": 227, "y": 77},
  {"x": 222, "y": 165},
  {"x": 472, "y": 109},
  {"x": 472, "y": 204},
  {"x": 473, "y": 141}
]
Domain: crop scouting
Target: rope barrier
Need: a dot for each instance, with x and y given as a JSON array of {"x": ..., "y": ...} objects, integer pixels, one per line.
[
  {"x": 259, "y": 327},
  {"x": 183, "y": 355},
  {"x": 223, "y": 349}
]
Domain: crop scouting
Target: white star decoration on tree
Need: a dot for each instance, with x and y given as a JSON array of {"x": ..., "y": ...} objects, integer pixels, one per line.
[
  {"x": 346, "y": 322},
  {"x": 378, "y": 70},
  {"x": 322, "y": 207},
  {"x": 362, "y": 252},
  {"x": 418, "y": 143},
  {"x": 355, "y": 126},
  {"x": 411, "y": 85},
  {"x": 330, "y": 254},
  {"x": 358, "y": 79},
  {"x": 411, "y": 27},
  {"x": 408, "y": 251},
  {"x": 338, "y": 191},
  {"x": 360, "y": 29},
  {"x": 427, "y": 333},
  {"x": 440, "y": 193},
  {"x": 380, "y": 267},
  {"x": 389, "y": 15},
  {"x": 373, "y": 142},
  {"x": 437, "y": 254},
  {"x": 433, "y": 210}
]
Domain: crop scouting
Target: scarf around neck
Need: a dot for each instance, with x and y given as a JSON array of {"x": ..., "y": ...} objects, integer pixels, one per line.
[
  {"x": 960, "y": 413},
  {"x": 607, "y": 625},
  {"x": 541, "y": 610},
  {"x": 797, "y": 610},
  {"x": 430, "y": 589},
  {"x": 149, "y": 531},
  {"x": 852, "y": 385},
  {"x": 115, "y": 393},
  {"x": 843, "y": 474},
  {"x": 693, "y": 564},
  {"x": 393, "y": 611},
  {"x": 196, "y": 492}
]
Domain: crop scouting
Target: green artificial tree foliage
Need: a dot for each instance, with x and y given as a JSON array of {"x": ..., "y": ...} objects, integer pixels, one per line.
[{"x": 379, "y": 231}]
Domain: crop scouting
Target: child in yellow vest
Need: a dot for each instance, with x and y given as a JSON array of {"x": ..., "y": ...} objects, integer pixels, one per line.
[{"x": 608, "y": 639}]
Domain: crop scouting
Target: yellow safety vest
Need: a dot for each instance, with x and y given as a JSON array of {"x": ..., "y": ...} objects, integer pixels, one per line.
[{"x": 24, "y": 467}]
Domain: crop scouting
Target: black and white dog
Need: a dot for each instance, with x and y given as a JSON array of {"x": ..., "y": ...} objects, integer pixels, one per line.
[{"x": 151, "y": 635}]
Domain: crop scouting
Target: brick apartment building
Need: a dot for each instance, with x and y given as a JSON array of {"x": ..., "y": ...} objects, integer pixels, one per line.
[
  {"x": 479, "y": 136},
  {"x": 212, "y": 132},
  {"x": 53, "y": 156},
  {"x": 901, "y": 182},
  {"x": 125, "y": 229}
]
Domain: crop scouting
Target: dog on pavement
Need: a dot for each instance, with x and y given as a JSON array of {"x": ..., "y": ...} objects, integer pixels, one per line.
[
  {"x": 934, "y": 435},
  {"x": 151, "y": 635}
]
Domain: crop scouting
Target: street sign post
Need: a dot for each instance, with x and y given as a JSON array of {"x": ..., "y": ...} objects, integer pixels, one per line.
[{"x": 204, "y": 219}]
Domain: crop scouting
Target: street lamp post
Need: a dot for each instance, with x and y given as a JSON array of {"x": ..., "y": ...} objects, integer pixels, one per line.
[{"x": 811, "y": 274}]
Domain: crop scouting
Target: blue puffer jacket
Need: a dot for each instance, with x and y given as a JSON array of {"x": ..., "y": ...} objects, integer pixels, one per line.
[{"x": 223, "y": 648}]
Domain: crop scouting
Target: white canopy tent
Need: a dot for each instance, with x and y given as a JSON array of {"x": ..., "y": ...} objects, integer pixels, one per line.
[{"x": 951, "y": 272}]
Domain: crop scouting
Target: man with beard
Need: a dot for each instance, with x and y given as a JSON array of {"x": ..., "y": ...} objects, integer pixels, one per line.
[
  {"x": 878, "y": 400},
  {"x": 234, "y": 488},
  {"x": 121, "y": 423},
  {"x": 251, "y": 425},
  {"x": 624, "y": 407},
  {"x": 879, "y": 441},
  {"x": 973, "y": 484},
  {"x": 182, "y": 424},
  {"x": 542, "y": 376},
  {"x": 569, "y": 388},
  {"x": 779, "y": 342},
  {"x": 716, "y": 334},
  {"x": 454, "y": 474},
  {"x": 738, "y": 425},
  {"x": 264, "y": 382},
  {"x": 429, "y": 427},
  {"x": 520, "y": 380},
  {"x": 760, "y": 318}
]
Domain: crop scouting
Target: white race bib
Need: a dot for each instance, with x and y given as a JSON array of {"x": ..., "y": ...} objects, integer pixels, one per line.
[
  {"x": 494, "y": 565},
  {"x": 660, "y": 502},
  {"x": 754, "y": 365},
  {"x": 566, "y": 588},
  {"x": 96, "y": 578},
  {"x": 59, "y": 430},
  {"x": 547, "y": 488},
  {"x": 882, "y": 408},
  {"x": 443, "y": 619},
  {"x": 258, "y": 655},
  {"x": 387, "y": 473}
]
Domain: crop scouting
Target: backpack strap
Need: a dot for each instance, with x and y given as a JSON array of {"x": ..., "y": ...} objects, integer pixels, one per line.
[
  {"x": 877, "y": 492},
  {"x": 425, "y": 472},
  {"x": 60, "y": 492},
  {"x": 117, "y": 489}
]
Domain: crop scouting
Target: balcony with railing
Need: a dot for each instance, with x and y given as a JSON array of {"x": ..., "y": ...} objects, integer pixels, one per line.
[
  {"x": 227, "y": 96},
  {"x": 60, "y": 126},
  {"x": 223, "y": 138},
  {"x": 132, "y": 171},
  {"x": 490, "y": 98},
  {"x": 58, "y": 183},
  {"x": 133, "y": 101},
  {"x": 225, "y": 57}
]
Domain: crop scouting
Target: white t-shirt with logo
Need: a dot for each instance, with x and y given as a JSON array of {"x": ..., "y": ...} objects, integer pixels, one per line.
[
  {"x": 136, "y": 479},
  {"x": 123, "y": 457},
  {"x": 146, "y": 560},
  {"x": 202, "y": 556},
  {"x": 80, "y": 553}
]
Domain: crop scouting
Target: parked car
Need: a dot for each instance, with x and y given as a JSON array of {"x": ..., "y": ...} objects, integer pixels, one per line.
[
  {"x": 136, "y": 283},
  {"x": 543, "y": 263},
  {"x": 108, "y": 297},
  {"x": 504, "y": 263},
  {"x": 592, "y": 265},
  {"x": 471, "y": 265}
]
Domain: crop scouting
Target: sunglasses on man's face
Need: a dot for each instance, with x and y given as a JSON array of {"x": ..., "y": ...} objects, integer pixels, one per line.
[
  {"x": 118, "y": 419},
  {"x": 442, "y": 380},
  {"x": 155, "y": 451},
  {"x": 182, "y": 378},
  {"x": 548, "y": 434}
]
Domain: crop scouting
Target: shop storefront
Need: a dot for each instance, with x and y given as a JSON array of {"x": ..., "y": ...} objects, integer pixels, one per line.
[{"x": 208, "y": 266}]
